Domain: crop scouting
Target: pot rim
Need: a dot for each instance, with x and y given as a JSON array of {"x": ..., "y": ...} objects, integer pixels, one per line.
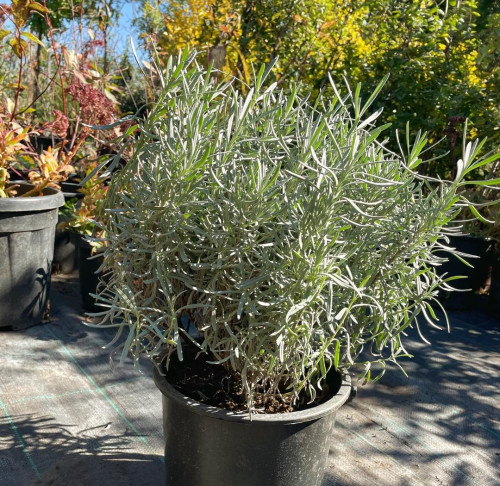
[
  {"x": 52, "y": 199},
  {"x": 307, "y": 415},
  {"x": 70, "y": 190}
]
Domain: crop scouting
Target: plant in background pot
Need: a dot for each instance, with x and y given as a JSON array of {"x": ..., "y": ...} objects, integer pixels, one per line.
[
  {"x": 29, "y": 207},
  {"x": 65, "y": 243},
  {"x": 39, "y": 143},
  {"x": 258, "y": 248}
]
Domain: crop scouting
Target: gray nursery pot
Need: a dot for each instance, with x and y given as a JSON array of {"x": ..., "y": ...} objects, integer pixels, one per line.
[
  {"x": 209, "y": 446},
  {"x": 27, "y": 228}
]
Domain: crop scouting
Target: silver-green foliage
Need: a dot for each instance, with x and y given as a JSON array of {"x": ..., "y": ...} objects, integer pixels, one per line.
[{"x": 287, "y": 233}]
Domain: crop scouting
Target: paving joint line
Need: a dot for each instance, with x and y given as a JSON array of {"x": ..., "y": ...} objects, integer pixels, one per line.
[
  {"x": 101, "y": 391},
  {"x": 20, "y": 439}
]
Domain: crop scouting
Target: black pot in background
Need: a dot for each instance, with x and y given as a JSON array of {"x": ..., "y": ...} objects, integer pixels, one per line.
[
  {"x": 88, "y": 266},
  {"x": 65, "y": 252},
  {"x": 480, "y": 287},
  {"x": 27, "y": 228},
  {"x": 41, "y": 142},
  {"x": 494, "y": 300},
  {"x": 71, "y": 190},
  {"x": 65, "y": 245},
  {"x": 209, "y": 446}
]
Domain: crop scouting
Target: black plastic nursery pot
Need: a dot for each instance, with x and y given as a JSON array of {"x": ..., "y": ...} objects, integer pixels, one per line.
[
  {"x": 478, "y": 289},
  {"x": 65, "y": 245},
  {"x": 209, "y": 446},
  {"x": 494, "y": 301},
  {"x": 65, "y": 252},
  {"x": 88, "y": 271},
  {"x": 27, "y": 228}
]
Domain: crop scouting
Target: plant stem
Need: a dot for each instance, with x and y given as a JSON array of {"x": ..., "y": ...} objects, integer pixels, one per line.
[
  {"x": 56, "y": 56},
  {"x": 37, "y": 190}
]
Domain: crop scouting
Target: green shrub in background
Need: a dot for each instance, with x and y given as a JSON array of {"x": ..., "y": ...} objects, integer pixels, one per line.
[{"x": 442, "y": 56}]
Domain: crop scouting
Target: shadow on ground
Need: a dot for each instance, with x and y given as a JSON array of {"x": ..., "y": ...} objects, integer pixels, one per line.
[
  {"x": 62, "y": 454},
  {"x": 438, "y": 426}
]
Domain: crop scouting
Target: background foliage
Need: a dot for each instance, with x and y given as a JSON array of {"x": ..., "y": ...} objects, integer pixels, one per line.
[{"x": 442, "y": 56}]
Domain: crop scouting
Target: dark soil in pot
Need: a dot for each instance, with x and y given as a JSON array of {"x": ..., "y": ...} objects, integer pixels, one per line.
[{"x": 215, "y": 385}]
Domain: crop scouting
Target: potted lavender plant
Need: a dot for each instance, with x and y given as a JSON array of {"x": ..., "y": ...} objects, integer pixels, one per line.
[{"x": 259, "y": 248}]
